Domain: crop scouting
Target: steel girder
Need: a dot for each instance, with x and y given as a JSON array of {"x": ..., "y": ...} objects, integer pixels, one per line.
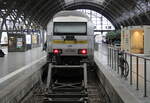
[
  {"x": 106, "y": 12},
  {"x": 119, "y": 12}
]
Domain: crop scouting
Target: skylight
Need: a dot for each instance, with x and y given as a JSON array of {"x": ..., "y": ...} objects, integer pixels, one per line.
[{"x": 95, "y": 1}]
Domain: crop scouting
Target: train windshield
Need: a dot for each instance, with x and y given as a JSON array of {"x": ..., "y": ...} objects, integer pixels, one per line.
[{"x": 70, "y": 28}]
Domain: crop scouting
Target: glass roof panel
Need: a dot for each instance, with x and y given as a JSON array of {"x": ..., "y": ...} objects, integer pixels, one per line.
[
  {"x": 95, "y": 1},
  {"x": 67, "y": 1},
  {"x": 99, "y": 21}
]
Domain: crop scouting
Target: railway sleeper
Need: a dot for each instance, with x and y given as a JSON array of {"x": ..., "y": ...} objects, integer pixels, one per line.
[
  {"x": 63, "y": 91},
  {"x": 65, "y": 101},
  {"x": 66, "y": 97}
]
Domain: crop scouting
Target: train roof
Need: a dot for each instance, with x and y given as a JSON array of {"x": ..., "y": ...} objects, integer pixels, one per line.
[{"x": 71, "y": 13}]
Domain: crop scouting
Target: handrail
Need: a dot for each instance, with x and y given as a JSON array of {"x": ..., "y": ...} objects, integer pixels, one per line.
[
  {"x": 132, "y": 54},
  {"x": 113, "y": 59}
]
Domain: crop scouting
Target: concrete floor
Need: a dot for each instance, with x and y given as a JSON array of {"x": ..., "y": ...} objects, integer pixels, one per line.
[
  {"x": 15, "y": 60},
  {"x": 102, "y": 54}
]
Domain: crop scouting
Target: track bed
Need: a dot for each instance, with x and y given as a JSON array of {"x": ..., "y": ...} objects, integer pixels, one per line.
[{"x": 96, "y": 93}]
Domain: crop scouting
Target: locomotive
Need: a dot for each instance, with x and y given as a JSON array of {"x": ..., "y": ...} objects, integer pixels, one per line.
[
  {"x": 70, "y": 50},
  {"x": 70, "y": 38}
]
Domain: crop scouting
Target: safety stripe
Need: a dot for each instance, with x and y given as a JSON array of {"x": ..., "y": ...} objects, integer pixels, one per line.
[{"x": 69, "y": 42}]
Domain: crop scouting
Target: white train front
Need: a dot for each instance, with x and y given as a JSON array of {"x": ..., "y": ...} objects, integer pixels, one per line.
[{"x": 70, "y": 38}]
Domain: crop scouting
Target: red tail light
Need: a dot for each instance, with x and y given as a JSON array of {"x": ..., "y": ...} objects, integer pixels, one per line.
[
  {"x": 83, "y": 51},
  {"x": 56, "y": 51}
]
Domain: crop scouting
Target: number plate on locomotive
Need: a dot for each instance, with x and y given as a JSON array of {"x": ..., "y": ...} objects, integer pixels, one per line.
[{"x": 70, "y": 51}]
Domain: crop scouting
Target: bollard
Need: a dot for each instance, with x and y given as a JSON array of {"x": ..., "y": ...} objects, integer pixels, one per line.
[
  {"x": 145, "y": 85},
  {"x": 137, "y": 73},
  {"x": 130, "y": 69},
  {"x": 125, "y": 57},
  {"x": 108, "y": 56},
  {"x": 118, "y": 61},
  {"x": 112, "y": 58},
  {"x": 115, "y": 59}
]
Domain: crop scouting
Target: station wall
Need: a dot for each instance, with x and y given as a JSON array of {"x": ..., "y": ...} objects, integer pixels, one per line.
[{"x": 135, "y": 39}]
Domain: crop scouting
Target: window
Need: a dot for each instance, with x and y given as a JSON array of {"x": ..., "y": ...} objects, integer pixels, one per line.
[
  {"x": 98, "y": 20},
  {"x": 69, "y": 28}
]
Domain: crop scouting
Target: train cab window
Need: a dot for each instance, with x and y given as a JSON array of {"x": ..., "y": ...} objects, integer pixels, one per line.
[{"x": 70, "y": 28}]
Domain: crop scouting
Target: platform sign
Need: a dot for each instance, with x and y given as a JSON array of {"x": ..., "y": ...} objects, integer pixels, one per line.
[
  {"x": 4, "y": 38},
  {"x": 19, "y": 42},
  {"x": 28, "y": 39},
  {"x": 34, "y": 39}
]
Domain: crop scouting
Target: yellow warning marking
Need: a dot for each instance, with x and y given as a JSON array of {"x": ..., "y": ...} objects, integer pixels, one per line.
[{"x": 69, "y": 42}]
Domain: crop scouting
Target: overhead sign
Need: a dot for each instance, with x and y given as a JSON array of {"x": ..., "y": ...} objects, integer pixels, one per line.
[
  {"x": 30, "y": 30},
  {"x": 28, "y": 39}
]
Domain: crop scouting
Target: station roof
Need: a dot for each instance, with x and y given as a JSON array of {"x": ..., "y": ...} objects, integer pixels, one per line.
[{"x": 119, "y": 12}]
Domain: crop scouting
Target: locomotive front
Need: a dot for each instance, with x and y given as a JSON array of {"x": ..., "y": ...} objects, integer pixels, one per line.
[{"x": 71, "y": 38}]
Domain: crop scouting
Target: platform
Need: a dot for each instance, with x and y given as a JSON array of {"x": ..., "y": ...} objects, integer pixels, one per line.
[
  {"x": 15, "y": 60},
  {"x": 19, "y": 73},
  {"x": 101, "y": 56}
]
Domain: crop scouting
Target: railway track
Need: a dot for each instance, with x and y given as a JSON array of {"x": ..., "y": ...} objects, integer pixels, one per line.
[{"x": 96, "y": 92}]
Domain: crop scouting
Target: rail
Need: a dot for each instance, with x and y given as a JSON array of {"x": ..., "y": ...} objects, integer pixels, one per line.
[{"x": 113, "y": 60}]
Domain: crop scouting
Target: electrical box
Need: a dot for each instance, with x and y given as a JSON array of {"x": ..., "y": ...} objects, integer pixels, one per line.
[{"x": 135, "y": 39}]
